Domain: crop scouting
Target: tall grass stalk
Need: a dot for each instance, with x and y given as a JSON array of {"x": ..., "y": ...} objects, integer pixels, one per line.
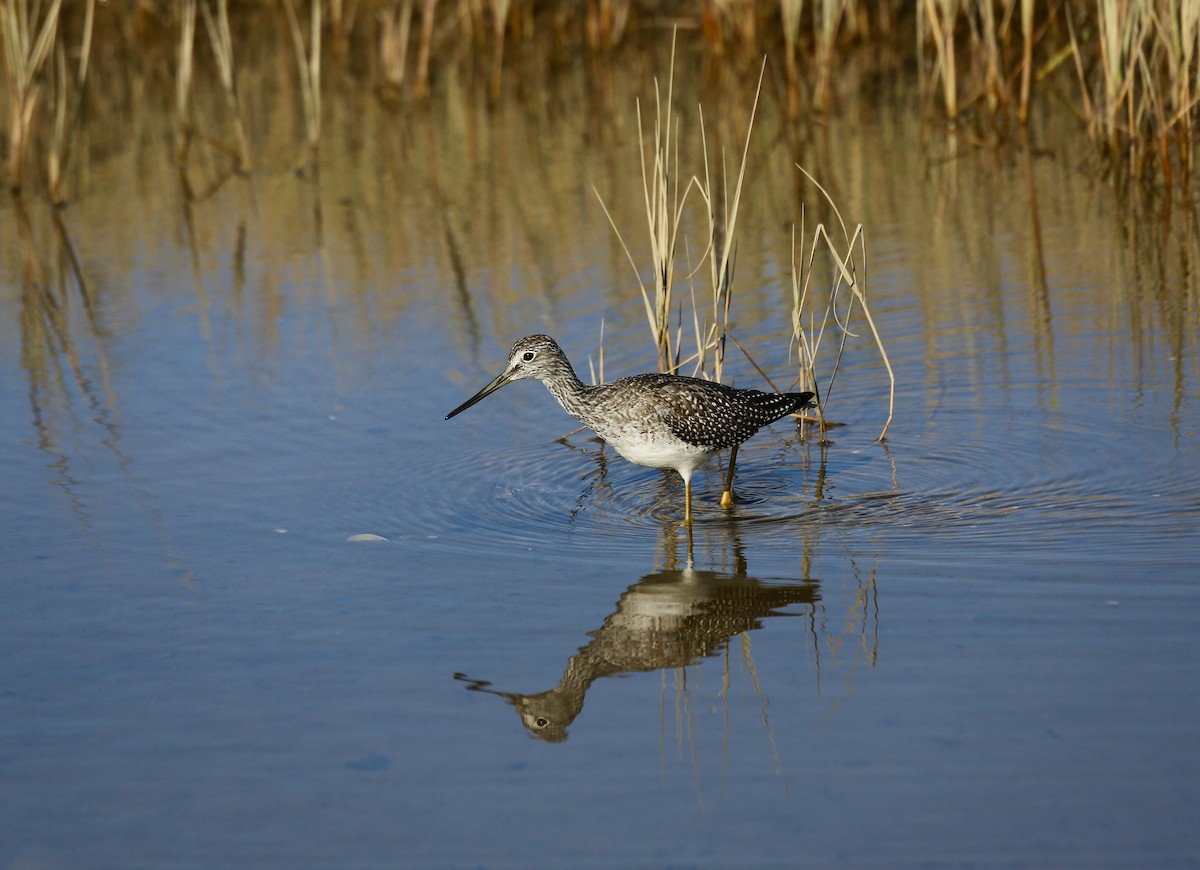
[
  {"x": 722, "y": 212},
  {"x": 341, "y": 21},
  {"x": 28, "y": 42},
  {"x": 221, "y": 40},
  {"x": 183, "y": 80},
  {"x": 664, "y": 208},
  {"x": 664, "y": 204},
  {"x": 1137, "y": 61},
  {"x": 1188, "y": 79},
  {"x": 308, "y": 60},
  {"x": 1144, "y": 99},
  {"x": 62, "y": 136},
  {"x": 59, "y": 99},
  {"x": 722, "y": 207},
  {"x": 1027, "y": 59},
  {"x": 500, "y": 13},
  {"x": 847, "y": 289},
  {"x": 790, "y": 12},
  {"x": 1179, "y": 27},
  {"x": 395, "y": 23},
  {"x": 596, "y": 367},
  {"x": 987, "y": 48},
  {"x": 1121, "y": 31},
  {"x": 425, "y": 50},
  {"x": 937, "y": 17},
  {"x": 828, "y": 19}
]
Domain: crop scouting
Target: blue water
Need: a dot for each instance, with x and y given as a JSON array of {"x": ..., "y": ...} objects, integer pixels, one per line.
[{"x": 974, "y": 643}]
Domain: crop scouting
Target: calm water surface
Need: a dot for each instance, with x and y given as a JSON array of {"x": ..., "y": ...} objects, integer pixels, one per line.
[{"x": 974, "y": 644}]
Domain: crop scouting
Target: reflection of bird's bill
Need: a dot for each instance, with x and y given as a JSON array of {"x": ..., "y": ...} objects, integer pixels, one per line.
[
  {"x": 474, "y": 685},
  {"x": 501, "y": 380}
]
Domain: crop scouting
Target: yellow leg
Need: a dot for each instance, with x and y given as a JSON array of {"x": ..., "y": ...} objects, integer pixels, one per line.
[
  {"x": 727, "y": 494},
  {"x": 691, "y": 547},
  {"x": 687, "y": 501}
]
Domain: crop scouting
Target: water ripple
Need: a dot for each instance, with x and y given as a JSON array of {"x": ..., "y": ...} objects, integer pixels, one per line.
[
  {"x": 583, "y": 487},
  {"x": 1008, "y": 485}
]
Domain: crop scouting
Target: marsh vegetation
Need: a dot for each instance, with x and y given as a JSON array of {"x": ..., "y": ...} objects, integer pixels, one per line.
[
  {"x": 1126, "y": 72},
  {"x": 250, "y": 254},
  {"x": 1118, "y": 80}
]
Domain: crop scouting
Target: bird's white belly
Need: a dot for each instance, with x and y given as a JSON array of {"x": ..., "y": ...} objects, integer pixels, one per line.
[{"x": 663, "y": 454}]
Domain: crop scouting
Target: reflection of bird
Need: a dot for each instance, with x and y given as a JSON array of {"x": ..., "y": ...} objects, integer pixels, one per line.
[
  {"x": 667, "y": 620},
  {"x": 661, "y": 421}
]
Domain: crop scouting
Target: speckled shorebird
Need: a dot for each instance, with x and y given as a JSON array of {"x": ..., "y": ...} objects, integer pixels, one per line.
[{"x": 660, "y": 421}]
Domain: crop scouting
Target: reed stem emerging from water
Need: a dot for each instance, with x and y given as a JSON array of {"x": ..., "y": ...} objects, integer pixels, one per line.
[
  {"x": 664, "y": 207},
  {"x": 221, "y": 40},
  {"x": 983, "y": 63},
  {"x": 848, "y": 290},
  {"x": 308, "y": 60},
  {"x": 722, "y": 212},
  {"x": 27, "y": 44},
  {"x": 62, "y": 136}
]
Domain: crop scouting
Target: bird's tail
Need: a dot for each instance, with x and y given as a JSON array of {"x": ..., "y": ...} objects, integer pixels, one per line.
[{"x": 802, "y": 400}]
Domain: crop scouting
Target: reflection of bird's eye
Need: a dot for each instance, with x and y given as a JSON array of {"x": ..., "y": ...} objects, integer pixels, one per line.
[{"x": 541, "y": 721}]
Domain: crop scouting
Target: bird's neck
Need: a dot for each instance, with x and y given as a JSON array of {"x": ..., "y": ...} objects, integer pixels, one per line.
[{"x": 568, "y": 390}]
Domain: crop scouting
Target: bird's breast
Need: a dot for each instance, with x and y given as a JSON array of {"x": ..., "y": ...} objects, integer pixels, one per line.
[{"x": 660, "y": 453}]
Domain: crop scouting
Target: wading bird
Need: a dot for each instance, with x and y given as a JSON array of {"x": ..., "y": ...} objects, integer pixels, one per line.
[{"x": 656, "y": 420}]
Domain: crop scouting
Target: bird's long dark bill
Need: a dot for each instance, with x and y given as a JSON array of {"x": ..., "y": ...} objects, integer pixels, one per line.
[{"x": 500, "y": 381}]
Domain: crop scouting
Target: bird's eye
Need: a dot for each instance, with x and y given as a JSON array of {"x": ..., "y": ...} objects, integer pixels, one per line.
[
  {"x": 528, "y": 356},
  {"x": 541, "y": 721}
]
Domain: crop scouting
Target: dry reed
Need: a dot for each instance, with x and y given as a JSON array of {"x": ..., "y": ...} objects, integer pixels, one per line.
[
  {"x": 28, "y": 41},
  {"x": 63, "y": 133},
  {"x": 721, "y": 211},
  {"x": 221, "y": 40},
  {"x": 183, "y": 80},
  {"x": 308, "y": 61},
  {"x": 664, "y": 206},
  {"x": 1128, "y": 70},
  {"x": 849, "y": 266},
  {"x": 664, "y": 202}
]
